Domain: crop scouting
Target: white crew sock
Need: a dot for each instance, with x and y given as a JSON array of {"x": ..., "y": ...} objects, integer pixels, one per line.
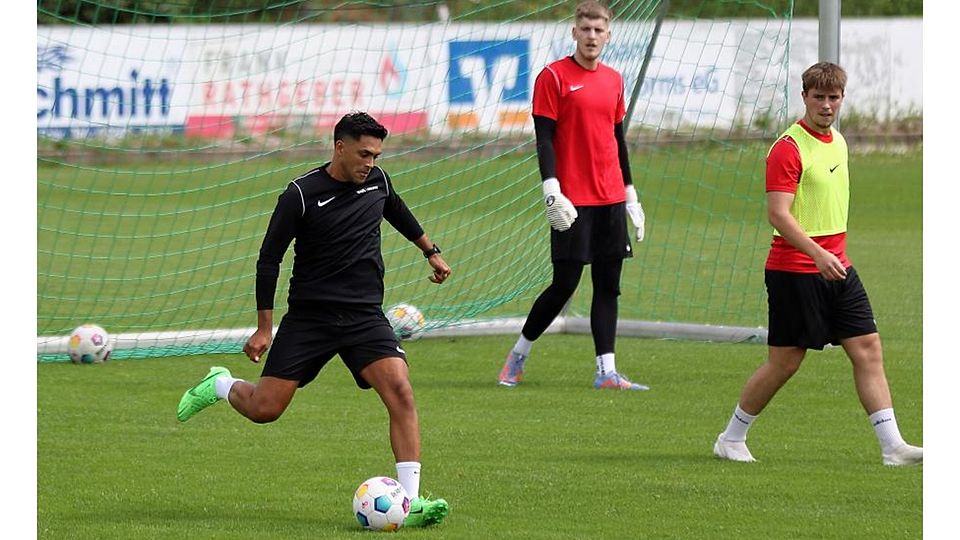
[
  {"x": 606, "y": 364},
  {"x": 408, "y": 474},
  {"x": 222, "y": 386},
  {"x": 739, "y": 424},
  {"x": 523, "y": 346},
  {"x": 888, "y": 433}
]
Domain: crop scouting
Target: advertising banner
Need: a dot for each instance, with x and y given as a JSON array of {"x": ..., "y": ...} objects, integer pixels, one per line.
[
  {"x": 107, "y": 82},
  {"x": 306, "y": 77},
  {"x": 229, "y": 81}
]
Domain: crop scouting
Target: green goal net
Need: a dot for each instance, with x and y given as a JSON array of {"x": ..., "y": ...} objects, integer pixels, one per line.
[{"x": 166, "y": 131}]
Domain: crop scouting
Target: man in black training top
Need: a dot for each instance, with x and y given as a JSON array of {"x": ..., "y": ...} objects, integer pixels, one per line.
[{"x": 336, "y": 293}]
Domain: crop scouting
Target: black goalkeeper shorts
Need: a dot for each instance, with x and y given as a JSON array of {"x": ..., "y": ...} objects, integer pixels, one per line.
[
  {"x": 806, "y": 310},
  {"x": 599, "y": 233},
  {"x": 306, "y": 340}
]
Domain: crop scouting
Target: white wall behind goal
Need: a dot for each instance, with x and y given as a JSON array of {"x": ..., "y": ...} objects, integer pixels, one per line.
[{"x": 883, "y": 58}]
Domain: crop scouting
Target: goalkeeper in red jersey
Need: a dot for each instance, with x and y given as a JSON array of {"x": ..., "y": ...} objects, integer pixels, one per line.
[
  {"x": 578, "y": 113},
  {"x": 815, "y": 296}
]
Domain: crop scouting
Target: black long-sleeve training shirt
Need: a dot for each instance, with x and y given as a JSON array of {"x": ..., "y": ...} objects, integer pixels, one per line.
[{"x": 337, "y": 255}]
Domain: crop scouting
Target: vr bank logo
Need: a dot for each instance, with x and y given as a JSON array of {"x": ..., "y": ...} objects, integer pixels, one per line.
[{"x": 489, "y": 84}]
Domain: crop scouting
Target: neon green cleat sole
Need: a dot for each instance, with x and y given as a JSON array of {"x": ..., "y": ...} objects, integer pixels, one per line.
[
  {"x": 200, "y": 396},
  {"x": 424, "y": 512}
]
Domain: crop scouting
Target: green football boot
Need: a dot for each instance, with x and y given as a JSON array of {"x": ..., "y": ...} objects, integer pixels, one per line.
[
  {"x": 424, "y": 512},
  {"x": 200, "y": 396}
]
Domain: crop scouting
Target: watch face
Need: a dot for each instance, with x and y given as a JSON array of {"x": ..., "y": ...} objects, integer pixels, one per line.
[{"x": 550, "y": 200}]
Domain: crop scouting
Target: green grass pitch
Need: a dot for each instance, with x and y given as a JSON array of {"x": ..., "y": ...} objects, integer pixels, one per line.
[
  {"x": 552, "y": 458},
  {"x": 549, "y": 459}
]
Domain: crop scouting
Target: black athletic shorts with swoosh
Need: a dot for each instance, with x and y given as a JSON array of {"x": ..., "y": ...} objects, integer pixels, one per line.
[
  {"x": 307, "y": 339},
  {"x": 806, "y": 310},
  {"x": 598, "y": 234}
]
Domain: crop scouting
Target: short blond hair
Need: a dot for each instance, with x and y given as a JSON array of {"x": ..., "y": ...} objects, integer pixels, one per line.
[
  {"x": 825, "y": 76},
  {"x": 591, "y": 9}
]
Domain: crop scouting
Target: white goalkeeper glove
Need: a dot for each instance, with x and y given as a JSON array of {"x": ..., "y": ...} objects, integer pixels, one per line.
[
  {"x": 635, "y": 211},
  {"x": 560, "y": 211}
]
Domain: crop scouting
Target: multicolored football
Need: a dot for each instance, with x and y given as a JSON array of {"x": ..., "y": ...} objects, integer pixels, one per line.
[
  {"x": 89, "y": 344},
  {"x": 381, "y": 504},
  {"x": 407, "y": 321}
]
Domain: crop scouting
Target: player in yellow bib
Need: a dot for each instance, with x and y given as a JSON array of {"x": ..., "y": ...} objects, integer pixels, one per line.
[{"x": 815, "y": 297}]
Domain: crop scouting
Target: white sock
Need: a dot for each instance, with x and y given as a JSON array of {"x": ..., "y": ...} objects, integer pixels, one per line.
[
  {"x": 523, "y": 346},
  {"x": 606, "y": 364},
  {"x": 739, "y": 424},
  {"x": 408, "y": 474},
  {"x": 888, "y": 433},
  {"x": 222, "y": 386}
]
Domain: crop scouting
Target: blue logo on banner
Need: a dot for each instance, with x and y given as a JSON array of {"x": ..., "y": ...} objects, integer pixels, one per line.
[
  {"x": 481, "y": 71},
  {"x": 51, "y": 58}
]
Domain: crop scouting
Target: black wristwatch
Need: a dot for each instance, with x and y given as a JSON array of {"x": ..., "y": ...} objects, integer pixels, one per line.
[{"x": 431, "y": 252}]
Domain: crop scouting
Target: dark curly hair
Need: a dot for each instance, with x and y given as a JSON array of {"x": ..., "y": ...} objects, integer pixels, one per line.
[{"x": 357, "y": 124}]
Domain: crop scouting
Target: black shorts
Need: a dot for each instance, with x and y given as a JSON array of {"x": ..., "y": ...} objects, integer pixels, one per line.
[
  {"x": 306, "y": 340},
  {"x": 599, "y": 233},
  {"x": 806, "y": 310}
]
